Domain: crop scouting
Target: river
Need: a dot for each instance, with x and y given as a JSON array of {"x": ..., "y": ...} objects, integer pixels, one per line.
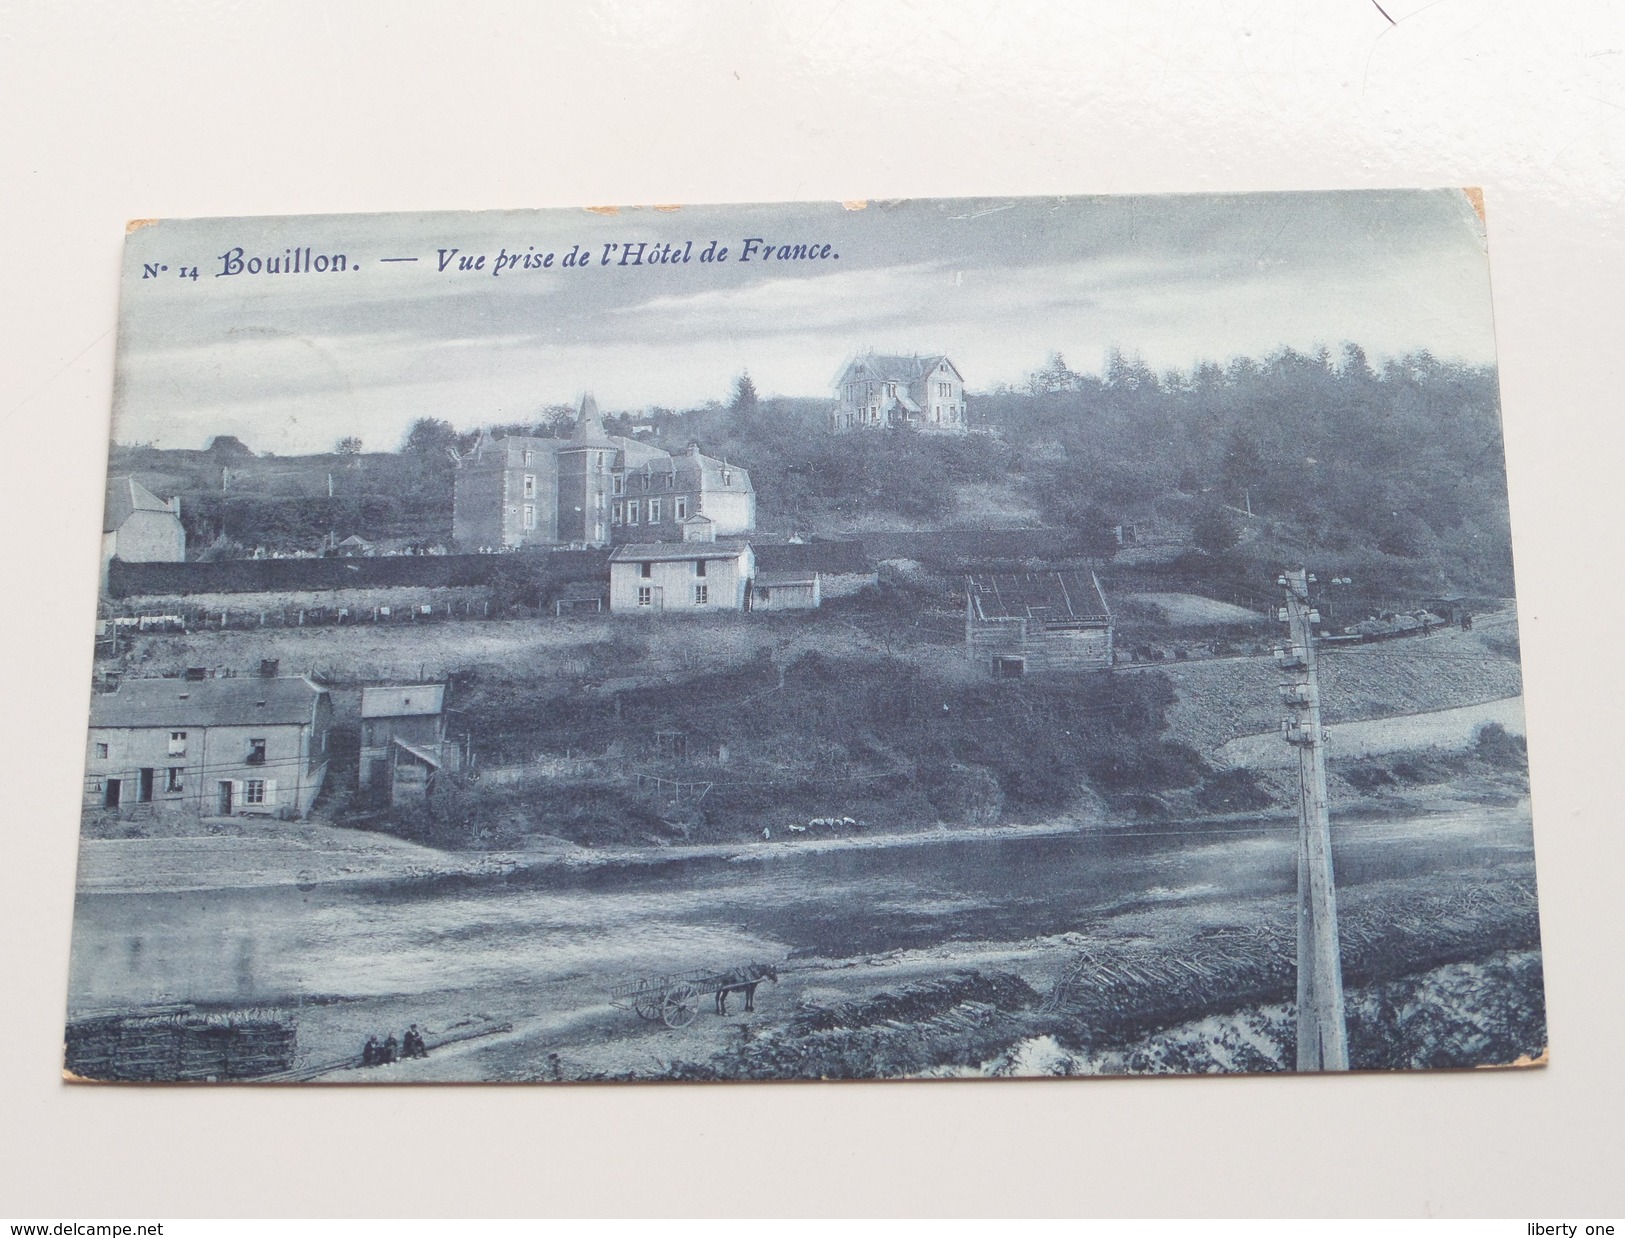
[{"x": 495, "y": 939}]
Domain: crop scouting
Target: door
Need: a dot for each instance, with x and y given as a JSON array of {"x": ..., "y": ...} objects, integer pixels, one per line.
[
  {"x": 225, "y": 804},
  {"x": 143, "y": 793},
  {"x": 114, "y": 788}
]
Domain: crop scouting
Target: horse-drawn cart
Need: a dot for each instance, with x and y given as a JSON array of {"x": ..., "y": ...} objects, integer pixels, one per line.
[{"x": 675, "y": 1000}]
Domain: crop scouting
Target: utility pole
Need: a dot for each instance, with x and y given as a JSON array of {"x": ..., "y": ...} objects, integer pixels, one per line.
[{"x": 1322, "y": 1030}]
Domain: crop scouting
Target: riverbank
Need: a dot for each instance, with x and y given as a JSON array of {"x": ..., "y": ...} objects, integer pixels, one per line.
[
  {"x": 255, "y": 855},
  {"x": 1444, "y": 971},
  {"x": 236, "y": 854}
]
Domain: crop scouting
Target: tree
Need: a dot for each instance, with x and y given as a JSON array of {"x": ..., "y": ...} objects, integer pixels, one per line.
[
  {"x": 1214, "y": 529},
  {"x": 228, "y": 445},
  {"x": 745, "y": 400},
  {"x": 429, "y": 438},
  {"x": 1094, "y": 530},
  {"x": 1054, "y": 377},
  {"x": 1243, "y": 467},
  {"x": 349, "y": 445}
]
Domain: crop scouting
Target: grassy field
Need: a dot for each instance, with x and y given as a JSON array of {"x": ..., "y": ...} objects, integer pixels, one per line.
[
  {"x": 1223, "y": 700},
  {"x": 605, "y": 646}
]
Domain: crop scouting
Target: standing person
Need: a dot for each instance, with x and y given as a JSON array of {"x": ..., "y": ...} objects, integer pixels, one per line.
[{"x": 369, "y": 1052}]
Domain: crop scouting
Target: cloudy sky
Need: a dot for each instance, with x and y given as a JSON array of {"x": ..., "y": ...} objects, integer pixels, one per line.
[{"x": 291, "y": 363}]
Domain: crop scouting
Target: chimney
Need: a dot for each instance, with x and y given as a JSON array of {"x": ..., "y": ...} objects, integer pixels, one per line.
[{"x": 269, "y": 667}]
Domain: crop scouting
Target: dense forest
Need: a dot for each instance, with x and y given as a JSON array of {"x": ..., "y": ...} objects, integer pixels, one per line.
[{"x": 1393, "y": 472}]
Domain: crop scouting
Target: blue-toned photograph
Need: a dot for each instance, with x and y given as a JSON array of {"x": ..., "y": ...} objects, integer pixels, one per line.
[{"x": 911, "y": 639}]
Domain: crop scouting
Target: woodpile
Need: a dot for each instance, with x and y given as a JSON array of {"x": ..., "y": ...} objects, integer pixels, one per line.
[
  {"x": 180, "y": 1045},
  {"x": 1119, "y": 990}
]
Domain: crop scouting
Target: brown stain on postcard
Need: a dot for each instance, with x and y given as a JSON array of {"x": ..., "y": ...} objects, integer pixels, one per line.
[
  {"x": 1544, "y": 1058},
  {"x": 135, "y": 225},
  {"x": 603, "y": 210},
  {"x": 1475, "y": 196}
]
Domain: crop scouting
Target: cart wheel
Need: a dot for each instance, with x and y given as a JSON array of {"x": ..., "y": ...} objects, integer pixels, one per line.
[
  {"x": 646, "y": 1001},
  {"x": 679, "y": 1006}
]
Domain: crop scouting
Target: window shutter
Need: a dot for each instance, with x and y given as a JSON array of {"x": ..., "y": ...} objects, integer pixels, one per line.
[
  {"x": 270, "y": 792},
  {"x": 236, "y": 794}
]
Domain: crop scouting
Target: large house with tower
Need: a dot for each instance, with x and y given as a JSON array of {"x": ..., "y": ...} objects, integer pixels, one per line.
[
  {"x": 594, "y": 489},
  {"x": 879, "y": 391}
]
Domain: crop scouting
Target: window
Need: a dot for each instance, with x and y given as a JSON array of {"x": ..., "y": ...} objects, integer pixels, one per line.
[
  {"x": 632, "y": 511},
  {"x": 680, "y": 508},
  {"x": 598, "y": 501},
  {"x": 530, "y": 485},
  {"x": 1009, "y": 668},
  {"x": 530, "y": 516},
  {"x": 618, "y": 512},
  {"x": 654, "y": 511},
  {"x": 256, "y": 752},
  {"x": 699, "y": 567},
  {"x": 172, "y": 781},
  {"x": 600, "y": 462},
  {"x": 617, "y": 482},
  {"x": 526, "y": 460},
  {"x": 254, "y": 791},
  {"x": 702, "y": 594},
  {"x": 646, "y": 570},
  {"x": 101, "y": 751},
  {"x": 177, "y": 743},
  {"x": 727, "y": 478},
  {"x": 646, "y": 595}
]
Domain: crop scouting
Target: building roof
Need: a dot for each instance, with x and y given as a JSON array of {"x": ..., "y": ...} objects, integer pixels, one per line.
[
  {"x": 125, "y": 496},
  {"x": 783, "y": 580},
  {"x": 676, "y": 552},
  {"x": 422, "y": 754},
  {"x": 896, "y": 368},
  {"x": 830, "y": 558},
  {"x": 411, "y": 701},
  {"x": 589, "y": 428},
  {"x": 245, "y": 701},
  {"x": 992, "y": 550},
  {"x": 1050, "y": 597},
  {"x": 714, "y": 471}
]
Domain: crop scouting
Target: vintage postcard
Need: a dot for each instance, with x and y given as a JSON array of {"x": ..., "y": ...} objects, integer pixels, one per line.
[{"x": 920, "y": 639}]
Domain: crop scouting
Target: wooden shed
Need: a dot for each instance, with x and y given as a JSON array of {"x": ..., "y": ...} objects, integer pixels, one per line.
[{"x": 1024, "y": 623}]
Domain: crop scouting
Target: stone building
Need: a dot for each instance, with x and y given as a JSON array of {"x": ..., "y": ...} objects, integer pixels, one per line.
[
  {"x": 249, "y": 746},
  {"x": 880, "y": 391},
  {"x": 592, "y": 489}
]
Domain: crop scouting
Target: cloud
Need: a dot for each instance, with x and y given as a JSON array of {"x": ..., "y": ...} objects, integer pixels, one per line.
[{"x": 999, "y": 284}]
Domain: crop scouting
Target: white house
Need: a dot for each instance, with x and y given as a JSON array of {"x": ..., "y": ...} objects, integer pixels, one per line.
[
  {"x": 880, "y": 391},
  {"x": 139, "y": 527},
  {"x": 687, "y": 577}
]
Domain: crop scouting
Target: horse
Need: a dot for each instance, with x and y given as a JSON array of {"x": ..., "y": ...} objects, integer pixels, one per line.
[{"x": 744, "y": 980}]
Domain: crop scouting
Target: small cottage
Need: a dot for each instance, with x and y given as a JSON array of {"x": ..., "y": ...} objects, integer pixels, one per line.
[
  {"x": 403, "y": 739},
  {"x": 684, "y": 577}
]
